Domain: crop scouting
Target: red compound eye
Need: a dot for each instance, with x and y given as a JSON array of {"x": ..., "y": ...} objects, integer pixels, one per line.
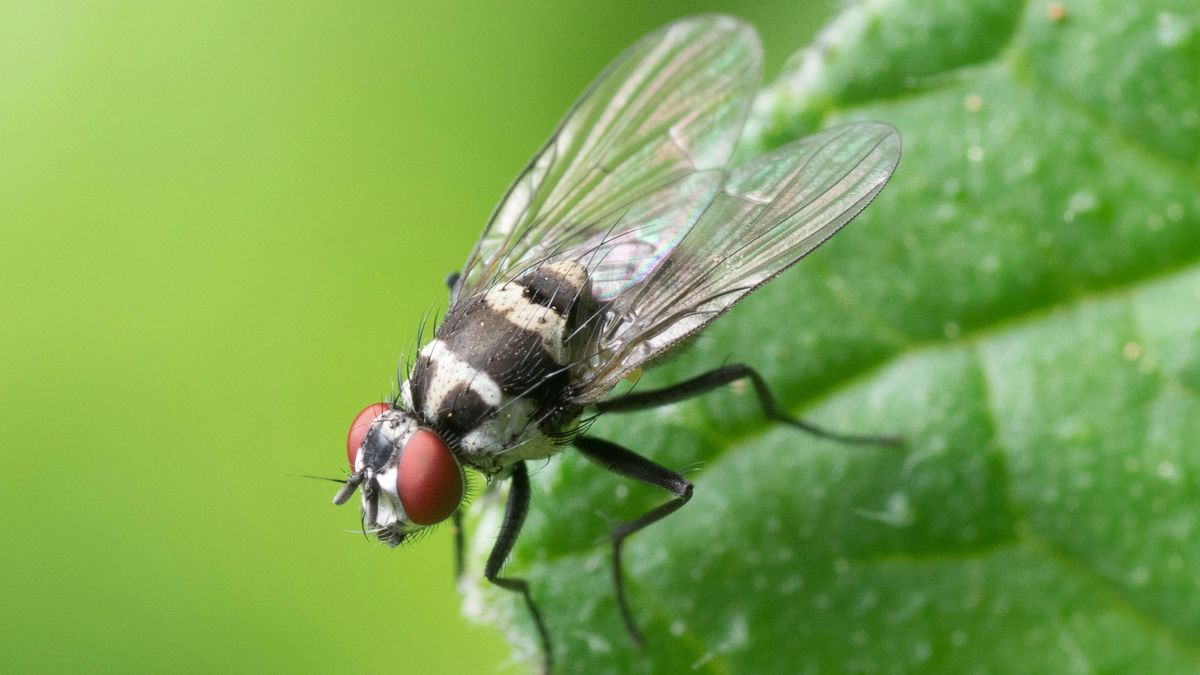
[
  {"x": 358, "y": 429},
  {"x": 428, "y": 479}
]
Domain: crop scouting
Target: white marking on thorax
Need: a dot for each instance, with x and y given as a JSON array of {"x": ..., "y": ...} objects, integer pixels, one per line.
[
  {"x": 511, "y": 436},
  {"x": 498, "y": 443},
  {"x": 509, "y": 301},
  {"x": 501, "y": 432},
  {"x": 449, "y": 371},
  {"x": 570, "y": 272}
]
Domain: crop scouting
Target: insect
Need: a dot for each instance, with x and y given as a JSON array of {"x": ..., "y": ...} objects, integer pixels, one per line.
[{"x": 625, "y": 234}]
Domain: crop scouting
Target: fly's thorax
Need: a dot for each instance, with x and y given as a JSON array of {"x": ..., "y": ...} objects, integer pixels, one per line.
[{"x": 497, "y": 375}]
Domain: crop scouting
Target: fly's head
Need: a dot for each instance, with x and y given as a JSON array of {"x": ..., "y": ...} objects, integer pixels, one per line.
[{"x": 410, "y": 478}]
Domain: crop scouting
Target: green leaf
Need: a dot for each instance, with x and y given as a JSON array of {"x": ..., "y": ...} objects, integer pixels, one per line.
[{"x": 1020, "y": 304}]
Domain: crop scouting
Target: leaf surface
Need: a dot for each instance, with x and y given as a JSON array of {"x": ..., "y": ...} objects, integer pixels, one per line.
[{"x": 1020, "y": 303}]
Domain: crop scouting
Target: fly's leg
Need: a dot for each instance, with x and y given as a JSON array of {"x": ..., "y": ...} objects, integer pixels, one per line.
[
  {"x": 459, "y": 545},
  {"x": 702, "y": 384},
  {"x": 632, "y": 465},
  {"x": 514, "y": 518}
]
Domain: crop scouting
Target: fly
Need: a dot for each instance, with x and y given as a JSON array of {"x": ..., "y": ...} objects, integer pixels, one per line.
[{"x": 625, "y": 234}]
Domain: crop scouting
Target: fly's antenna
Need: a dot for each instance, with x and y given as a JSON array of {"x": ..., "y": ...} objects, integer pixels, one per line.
[
  {"x": 339, "y": 481},
  {"x": 349, "y": 486}
]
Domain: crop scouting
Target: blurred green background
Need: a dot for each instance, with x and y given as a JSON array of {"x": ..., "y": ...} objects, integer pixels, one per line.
[{"x": 221, "y": 224}]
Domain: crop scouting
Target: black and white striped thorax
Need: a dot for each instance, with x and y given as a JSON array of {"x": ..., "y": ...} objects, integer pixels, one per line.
[{"x": 495, "y": 382}]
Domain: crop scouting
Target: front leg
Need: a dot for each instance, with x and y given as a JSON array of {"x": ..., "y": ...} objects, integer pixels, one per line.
[
  {"x": 514, "y": 518},
  {"x": 459, "y": 546},
  {"x": 632, "y": 465},
  {"x": 702, "y": 384}
]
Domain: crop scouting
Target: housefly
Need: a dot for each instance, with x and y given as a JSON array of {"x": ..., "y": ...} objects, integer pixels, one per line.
[{"x": 625, "y": 234}]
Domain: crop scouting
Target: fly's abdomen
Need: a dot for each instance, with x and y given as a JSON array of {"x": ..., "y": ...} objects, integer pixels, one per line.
[{"x": 498, "y": 372}]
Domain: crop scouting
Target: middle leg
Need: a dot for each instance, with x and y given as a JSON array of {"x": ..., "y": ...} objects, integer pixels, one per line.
[{"x": 632, "y": 465}]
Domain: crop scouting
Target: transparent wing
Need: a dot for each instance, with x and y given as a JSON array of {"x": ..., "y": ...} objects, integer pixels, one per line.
[
  {"x": 625, "y": 155},
  {"x": 771, "y": 212}
]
